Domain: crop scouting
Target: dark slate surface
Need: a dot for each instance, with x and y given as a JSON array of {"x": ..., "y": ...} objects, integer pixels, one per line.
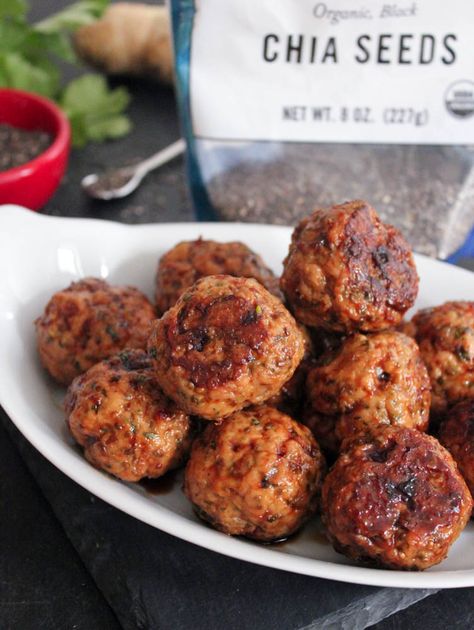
[
  {"x": 43, "y": 581},
  {"x": 452, "y": 608}
]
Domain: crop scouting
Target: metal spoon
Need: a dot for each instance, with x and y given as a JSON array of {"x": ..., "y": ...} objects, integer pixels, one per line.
[{"x": 120, "y": 182}]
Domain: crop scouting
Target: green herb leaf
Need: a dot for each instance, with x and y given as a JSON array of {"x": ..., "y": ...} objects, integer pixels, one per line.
[
  {"x": 150, "y": 436},
  {"x": 111, "y": 332},
  {"x": 95, "y": 111},
  {"x": 17, "y": 72},
  {"x": 73, "y": 16},
  {"x": 57, "y": 44},
  {"x": 12, "y": 8},
  {"x": 13, "y": 34},
  {"x": 90, "y": 93},
  {"x": 463, "y": 354}
]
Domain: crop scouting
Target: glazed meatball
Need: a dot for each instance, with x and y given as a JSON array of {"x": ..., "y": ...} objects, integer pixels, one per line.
[
  {"x": 346, "y": 271},
  {"x": 371, "y": 380},
  {"x": 189, "y": 261},
  {"x": 90, "y": 321},
  {"x": 117, "y": 412},
  {"x": 396, "y": 500},
  {"x": 457, "y": 435},
  {"x": 258, "y": 474},
  {"x": 226, "y": 344},
  {"x": 445, "y": 335}
]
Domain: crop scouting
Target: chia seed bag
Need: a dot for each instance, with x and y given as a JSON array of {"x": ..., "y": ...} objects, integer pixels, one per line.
[{"x": 287, "y": 106}]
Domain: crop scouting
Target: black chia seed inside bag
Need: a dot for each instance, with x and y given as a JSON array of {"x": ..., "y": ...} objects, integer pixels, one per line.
[{"x": 425, "y": 191}]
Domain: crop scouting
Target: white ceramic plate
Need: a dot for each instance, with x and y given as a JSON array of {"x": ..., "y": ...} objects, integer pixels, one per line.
[{"x": 39, "y": 255}]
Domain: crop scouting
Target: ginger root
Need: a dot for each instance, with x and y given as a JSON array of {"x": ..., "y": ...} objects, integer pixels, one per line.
[{"x": 129, "y": 39}]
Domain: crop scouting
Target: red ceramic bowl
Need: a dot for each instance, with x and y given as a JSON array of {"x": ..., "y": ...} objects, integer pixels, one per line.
[{"x": 33, "y": 183}]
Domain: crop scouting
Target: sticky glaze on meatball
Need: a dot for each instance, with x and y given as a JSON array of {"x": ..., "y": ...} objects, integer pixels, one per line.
[
  {"x": 347, "y": 271},
  {"x": 395, "y": 500},
  {"x": 445, "y": 335},
  {"x": 117, "y": 412},
  {"x": 189, "y": 261},
  {"x": 90, "y": 321},
  {"x": 371, "y": 380},
  {"x": 226, "y": 344},
  {"x": 258, "y": 474},
  {"x": 457, "y": 435}
]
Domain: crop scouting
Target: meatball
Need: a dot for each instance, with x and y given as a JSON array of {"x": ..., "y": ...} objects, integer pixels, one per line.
[
  {"x": 257, "y": 474},
  {"x": 126, "y": 425},
  {"x": 189, "y": 261},
  {"x": 90, "y": 321},
  {"x": 371, "y": 380},
  {"x": 445, "y": 335},
  {"x": 226, "y": 344},
  {"x": 395, "y": 499},
  {"x": 346, "y": 271},
  {"x": 457, "y": 435}
]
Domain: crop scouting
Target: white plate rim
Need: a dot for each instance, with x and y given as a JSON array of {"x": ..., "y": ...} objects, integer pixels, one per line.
[{"x": 120, "y": 495}]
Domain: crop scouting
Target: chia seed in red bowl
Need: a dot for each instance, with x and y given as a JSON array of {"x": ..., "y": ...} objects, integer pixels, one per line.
[{"x": 37, "y": 134}]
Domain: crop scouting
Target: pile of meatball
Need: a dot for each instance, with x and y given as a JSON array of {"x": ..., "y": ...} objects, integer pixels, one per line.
[{"x": 286, "y": 396}]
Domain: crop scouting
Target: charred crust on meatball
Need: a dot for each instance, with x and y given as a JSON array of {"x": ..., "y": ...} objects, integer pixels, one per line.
[
  {"x": 347, "y": 271},
  {"x": 395, "y": 499},
  {"x": 126, "y": 425},
  {"x": 370, "y": 380},
  {"x": 456, "y": 433},
  {"x": 257, "y": 474},
  {"x": 229, "y": 320},
  {"x": 445, "y": 335},
  {"x": 89, "y": 321},
  {"x": 226, "y": 343}
]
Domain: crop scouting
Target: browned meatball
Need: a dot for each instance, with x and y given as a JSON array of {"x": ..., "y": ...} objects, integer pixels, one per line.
[
  {"x": 127, "y": 426},
  {"x": 258, "y": 474},
  {"x": 227, "y": 343},
  {"x": 189, "y": 261},
  {"x": 395, "y": 499},
  {"x": 445, "y": 335},
  {"x": 457, "y": 435},
  {"x": 90, "y": 321},
  {"x": 371, "y": 380},
  {"x": 347, "y": 271}
]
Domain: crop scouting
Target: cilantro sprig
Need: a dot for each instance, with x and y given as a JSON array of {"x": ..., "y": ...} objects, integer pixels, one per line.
[{"x": 30, "y": 56}]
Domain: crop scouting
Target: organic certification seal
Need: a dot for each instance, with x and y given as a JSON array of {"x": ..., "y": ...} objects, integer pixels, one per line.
[{"x": 459, "y": 99}]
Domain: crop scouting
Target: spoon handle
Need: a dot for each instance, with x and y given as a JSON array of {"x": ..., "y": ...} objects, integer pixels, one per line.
[{"x": 163, "y": 156}]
